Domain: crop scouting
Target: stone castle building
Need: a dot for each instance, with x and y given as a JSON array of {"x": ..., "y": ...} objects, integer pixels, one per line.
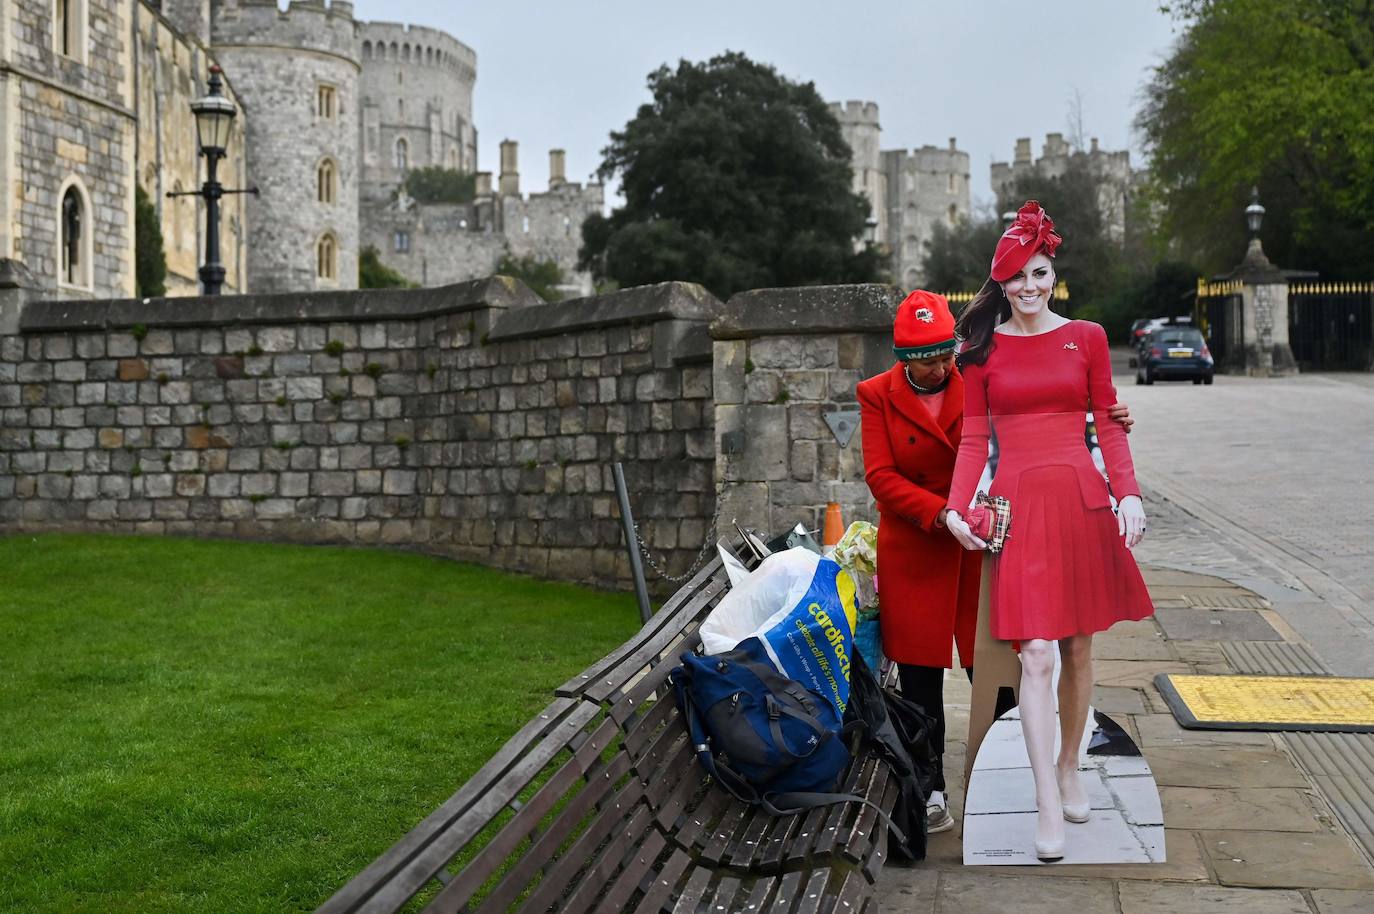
[
  {"x": 95, "y": 99},
  {"x": 909, "y": 191},
  {"x": 1112, "y": 168},
  {"x": 333, "y": 113}
]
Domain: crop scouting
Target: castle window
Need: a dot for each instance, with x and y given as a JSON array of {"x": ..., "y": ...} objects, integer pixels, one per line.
[
  {"x": 525, "y": 225},
  {"x": 326, "y": 99},
  {"x": 74, "y": 240},
  {"x": 401, "y": 242},
  {"x": 953, "y": 214},
  {"x": 69, "y": 29},
  {"x": 402, "y": 154},
  {"x": 951, "y": 183},
  {"x": 567, "y": 225},
  {"x": 327, "y": 181},
  {"x": 327, "y": 258},
  {"x": 367, "y": 50}
]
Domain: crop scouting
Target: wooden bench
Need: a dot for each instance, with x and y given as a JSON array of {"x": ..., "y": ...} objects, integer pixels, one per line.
[{"x": 597, "y": 805}]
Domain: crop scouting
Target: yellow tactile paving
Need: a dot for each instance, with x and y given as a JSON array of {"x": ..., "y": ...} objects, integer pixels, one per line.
[{"x": 1275, "y": 701}]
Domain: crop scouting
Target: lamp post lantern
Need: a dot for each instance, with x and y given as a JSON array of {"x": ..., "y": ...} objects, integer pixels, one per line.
[
  {"x": 214, "y": 120},
  {"x": 1254, "y": 213},
  {"x": 871, "y": 230}
]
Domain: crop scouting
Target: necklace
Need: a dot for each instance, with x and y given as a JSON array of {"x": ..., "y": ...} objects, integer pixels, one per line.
[{"x": 926, "y": 390}]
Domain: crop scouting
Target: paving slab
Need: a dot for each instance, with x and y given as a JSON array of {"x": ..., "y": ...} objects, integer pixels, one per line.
[
  {"x": 1199, "y": 651},
  {"x": 972, "y": 890},
  {"x": 1254, "y": 809},
  {"x": 1117, "y": 701},
  {"x": 1185, "y": 863},
  {"x": 1224, "y": 767},
  {"x": 1164, "y": 898},
  {"x": 908, "y": 889},
  {"x": 1343, "y": 901},
  {"x": 1134, "y": 674},
  {"x": 1215, "y": 625},
  {"x": 1285, "y": 860},
  {"x": 1163, "y": 730},
  {"x": 1112, "y": 646}
]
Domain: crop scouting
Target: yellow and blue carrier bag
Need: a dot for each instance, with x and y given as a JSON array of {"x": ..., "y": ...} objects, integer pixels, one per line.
[{"x": 801, "y": 607}]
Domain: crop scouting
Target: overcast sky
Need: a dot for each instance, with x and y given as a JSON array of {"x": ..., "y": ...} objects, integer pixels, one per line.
[{"x": 564, "y": 74}]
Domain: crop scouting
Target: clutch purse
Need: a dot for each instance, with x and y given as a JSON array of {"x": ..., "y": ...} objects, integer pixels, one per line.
[{"x": 990, "y": 520}]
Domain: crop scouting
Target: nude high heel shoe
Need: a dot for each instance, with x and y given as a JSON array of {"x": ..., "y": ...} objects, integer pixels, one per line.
[
  {"x": 1078, "y": 813},
  {"x": 1049, "y": 851}
]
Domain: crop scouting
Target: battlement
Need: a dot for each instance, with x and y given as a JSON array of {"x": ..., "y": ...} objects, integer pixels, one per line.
[
  {"x": 856, "y": 112},
  {"x": 306, "y": 24},
  {"x": 416, "y": 45}
]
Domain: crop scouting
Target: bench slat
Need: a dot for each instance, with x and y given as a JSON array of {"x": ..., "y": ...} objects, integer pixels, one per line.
[
  {"x": 661, "y": 647},
  {"x": 749, "y": 845},
  {"x": 621, "y": 847},
  {"x": 632, "y": 877},
  {"x": 788, "y": 890},
  {"x": 661, "y": 889},
  {"x": 722, "y": 837},
  {"x": 692, "y": 894},
  {"x": 812, "y": 898},
  {"x": 390, "y": 880},
  {"x": 700, "y": 589}
]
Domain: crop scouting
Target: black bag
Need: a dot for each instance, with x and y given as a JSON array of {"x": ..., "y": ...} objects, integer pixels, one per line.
[{"x": 899, "y": 733}]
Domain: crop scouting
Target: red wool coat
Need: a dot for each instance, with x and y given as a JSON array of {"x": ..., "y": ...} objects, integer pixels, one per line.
[{"x": 928, "y": 583}]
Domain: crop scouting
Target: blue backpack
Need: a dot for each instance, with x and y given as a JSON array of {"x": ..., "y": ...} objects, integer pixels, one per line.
[{"x": 765, "y": 738}]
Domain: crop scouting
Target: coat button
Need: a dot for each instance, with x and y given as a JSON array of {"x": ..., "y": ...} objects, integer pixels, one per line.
[{"x": 911, "y": 440}]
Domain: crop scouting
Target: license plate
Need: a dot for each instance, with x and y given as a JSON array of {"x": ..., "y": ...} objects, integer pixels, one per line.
[{"x": 1180, "y": 353}]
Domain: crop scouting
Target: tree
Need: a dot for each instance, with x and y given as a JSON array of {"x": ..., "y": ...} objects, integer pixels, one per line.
[
  {"x": 958, "y": 257},
  {"x": 542, "y": 276},
  {"x": 1275, "y": 94},
  {"x": 436, "y": 184},
  {"x": 373, "y": 274},
  {"x": 733, "y": 177},
  {"x": 150, "y": 263}
]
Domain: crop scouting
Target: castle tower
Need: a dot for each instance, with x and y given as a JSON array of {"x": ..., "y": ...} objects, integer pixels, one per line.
[
  {"x": 416, "y": 100},
  {"x": 509, "y": 185},
  {"x": 926, "y": 187},
  {"x": 859, "y": 124},
  {"x": 296, "y": 74}
]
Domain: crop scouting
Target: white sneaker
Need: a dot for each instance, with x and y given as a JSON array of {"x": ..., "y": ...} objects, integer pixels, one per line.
[{"x": 938, "y": 818}]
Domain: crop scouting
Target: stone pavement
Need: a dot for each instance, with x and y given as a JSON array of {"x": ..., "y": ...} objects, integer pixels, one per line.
[{"x": 1257, "y": 511}]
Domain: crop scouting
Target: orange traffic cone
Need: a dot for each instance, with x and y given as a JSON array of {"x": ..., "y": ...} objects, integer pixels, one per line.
[{"x": 834, "y": 525}]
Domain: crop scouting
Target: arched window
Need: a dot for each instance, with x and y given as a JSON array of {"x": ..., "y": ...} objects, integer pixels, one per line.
[
  {"x": 73, "y": 265},
  {"x": 405, "y": 53},
  {"x": 953, "y": 214},
  {"x": 69, "y": 29},
  {"x": 367, "y": 50},
  {"x": 525, "y": 225},
  {"x": 402, "y": 154},
  {"x": 74, "y": 236},
  {"x": 327, "y": 179},
  {"x": 392, "y": 55},
  {"x": 400, "y": 107},
  {"x": 327, "y": 258}
]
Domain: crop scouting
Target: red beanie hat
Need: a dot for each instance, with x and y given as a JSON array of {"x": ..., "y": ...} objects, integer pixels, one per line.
[
  {"x": 924, "y": 326},
  {"x": 1032, "y": 232}
]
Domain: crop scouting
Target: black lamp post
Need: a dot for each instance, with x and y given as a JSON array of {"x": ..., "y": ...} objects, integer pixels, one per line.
[
  {"x": 214, "y": 118},
  {"x": 1254, "y": 213}
]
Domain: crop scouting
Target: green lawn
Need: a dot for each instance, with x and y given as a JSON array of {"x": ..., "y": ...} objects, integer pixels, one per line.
[{"x": 234, "y": 727}]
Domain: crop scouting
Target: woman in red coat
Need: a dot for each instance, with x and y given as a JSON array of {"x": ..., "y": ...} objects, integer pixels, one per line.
[{"x": 912, "y": 422}]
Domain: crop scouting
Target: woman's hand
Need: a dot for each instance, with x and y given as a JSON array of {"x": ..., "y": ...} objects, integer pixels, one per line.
[
  {"x": 1130, "y": 520},
  {"x": 1121, "y": 416},
  {"x": 961, "y": 532}
]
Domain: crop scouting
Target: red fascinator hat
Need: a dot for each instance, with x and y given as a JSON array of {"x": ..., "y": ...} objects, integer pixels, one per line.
[
  {"x": 1032, "y": 232},
  {"x": 924, "y": 326}
]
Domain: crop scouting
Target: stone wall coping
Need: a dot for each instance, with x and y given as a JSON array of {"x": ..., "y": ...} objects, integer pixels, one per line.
[
  {"x": 808, "y": 311},
  {"x": 637, "y": 305},
  {"x": 346, "y": 306}
]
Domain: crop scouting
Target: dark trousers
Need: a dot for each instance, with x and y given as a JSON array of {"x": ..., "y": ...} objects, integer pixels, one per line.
[{"x": 925, "y": 685}]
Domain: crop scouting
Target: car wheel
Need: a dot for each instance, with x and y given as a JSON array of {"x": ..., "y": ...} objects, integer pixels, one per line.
[
  {"x": 1207, "y": 380},
  {"x": 1197, "y": 380}
]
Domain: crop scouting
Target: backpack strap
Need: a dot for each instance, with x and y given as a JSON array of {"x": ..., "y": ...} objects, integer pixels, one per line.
[{"x": 786, "y": 804}]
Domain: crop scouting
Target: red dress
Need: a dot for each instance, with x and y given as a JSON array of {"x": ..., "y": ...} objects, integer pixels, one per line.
[{"x": 1064, "y": 569}]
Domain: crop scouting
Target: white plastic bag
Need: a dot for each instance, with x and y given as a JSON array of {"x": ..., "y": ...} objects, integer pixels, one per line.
[{"x": 800, "y": 605}]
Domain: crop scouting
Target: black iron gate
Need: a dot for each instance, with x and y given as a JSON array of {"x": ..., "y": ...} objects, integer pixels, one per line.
[
  {"x": 1329, "y": 325},
  {"x": 1219, "y": 314}
]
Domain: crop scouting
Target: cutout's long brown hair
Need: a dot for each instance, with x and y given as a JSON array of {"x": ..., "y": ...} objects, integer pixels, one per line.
[{"x": 978, "y": 319}]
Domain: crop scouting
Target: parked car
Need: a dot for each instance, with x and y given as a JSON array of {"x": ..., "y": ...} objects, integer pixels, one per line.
[
  {"x": 1174, "y": 352},
  {"x": 1139, "y": 327}
]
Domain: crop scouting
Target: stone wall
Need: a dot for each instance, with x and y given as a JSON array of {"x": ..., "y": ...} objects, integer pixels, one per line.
[
  {"x": 783, "y": 359},
  {"x": 472, "y": 420}
]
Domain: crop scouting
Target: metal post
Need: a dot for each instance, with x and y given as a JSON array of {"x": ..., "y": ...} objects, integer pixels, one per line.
[
  {"x": 212, "y": 271},
  {"x": 631, "y": 542}
]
